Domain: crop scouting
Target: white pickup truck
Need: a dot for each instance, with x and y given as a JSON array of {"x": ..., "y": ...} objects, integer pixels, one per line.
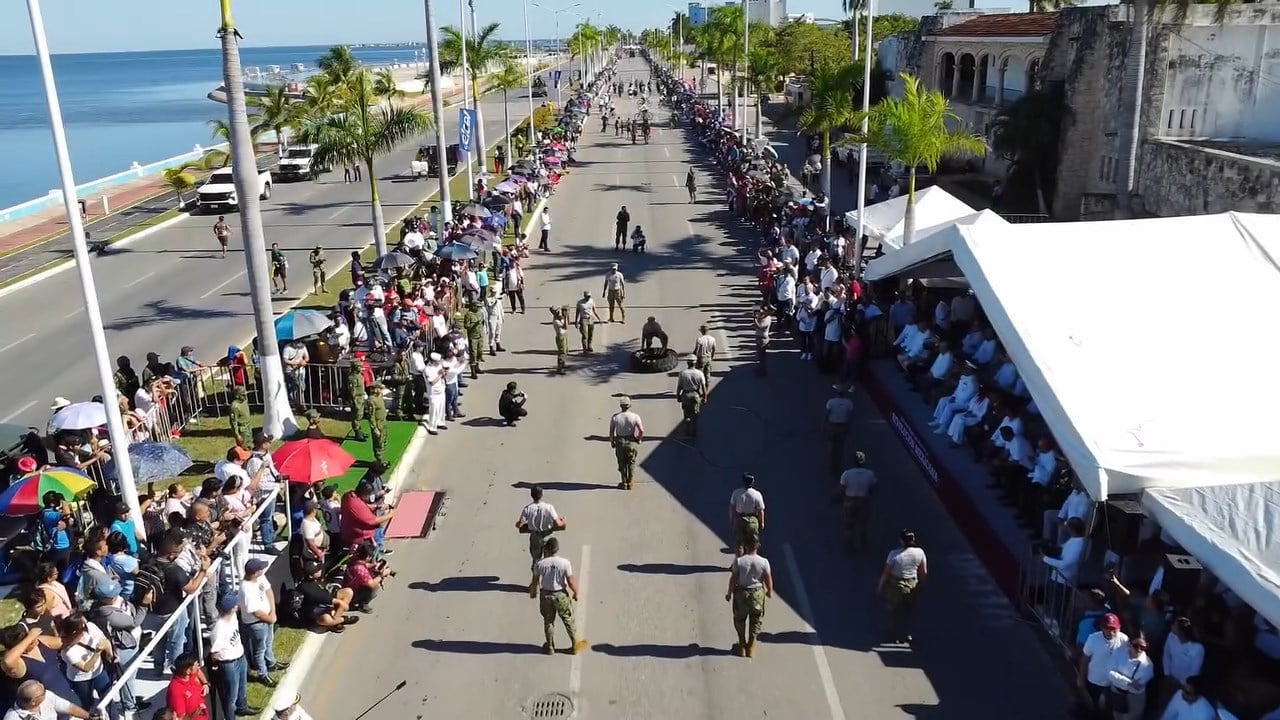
[
  {"x": 219, "y": 191},
  {"x": 298, "y": 163}
]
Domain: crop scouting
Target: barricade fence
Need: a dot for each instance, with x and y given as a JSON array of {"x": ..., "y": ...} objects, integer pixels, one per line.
[
  {"x": 1053, "y": 604},
  {"x": 225, "y": 574}
]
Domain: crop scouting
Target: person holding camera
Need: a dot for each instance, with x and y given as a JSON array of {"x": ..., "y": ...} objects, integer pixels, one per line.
[
  {"x": 364, "y": 577},
  {"x": 326, "y": 610},
  {"x": 121, "y": 622},
  {"x": 86, "y": 653},
  {"x": 35, "y": 702}
]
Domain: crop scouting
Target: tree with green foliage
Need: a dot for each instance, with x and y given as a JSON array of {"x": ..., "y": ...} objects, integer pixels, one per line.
[
  {"x": 276, "y": 111},
  {"x": 384, "y": 85},
  {"x": 509, "y": 77},
  {"x": 484, "y": 51},
  {"x": 338, "y": 63},
  {"x": 180, "y": 181},
  {"x": 917, "y": 130},
  {"x": 830, "y": 108},
  {"x": 1027, "y": 133}
]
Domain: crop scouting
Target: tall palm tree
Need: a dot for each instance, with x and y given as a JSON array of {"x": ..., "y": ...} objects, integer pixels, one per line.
[
  {"x": 384, "y": 85},
  {"x": 764, "y": 68},
  {"x": 916, "y": 129},
  {"x": 1027, "y": 133},
  {"x": 854, "y": 8},
  {"x": 338, "y": 62},
  {"x": 484, "y": 51},
  {"x": 830, "y": 109},
  {"x": 221, "y": 130},
  {"x": 278, "y": 418},
  {"x": 278, "y": 112},
  {"x": 509, "y": 77},
  {"x": 367, "y": 130},
  {"x": 324, "y": 95}
]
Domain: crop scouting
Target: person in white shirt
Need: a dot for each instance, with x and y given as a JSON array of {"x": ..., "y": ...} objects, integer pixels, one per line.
[
  {"x": 785, "y": 293},
  {"x": 1046, "y": 461},
  {"x": 972, "y": 339},
  {"x": 746, "y": 512},
  {"x": 546, "y": 228},
  {"x": 1096, "y": 661},
  {"x": 789, "y": 254},
  {"x": 829, "y": 275},
  {"x": 1066, "y": 566},
  {"x": 942, "y": 315},
  {"x": 986, "y": 351},
  {"x": 1190, "y": 703},
  {"x": 940, "y": 370},
  {"x": 85, "y": 653},
  {"x": 973, "y": 414},
  {"x": 909, "y": 331},
  {"x": 1077, "y": 505},
  {"x": 1018, "y": 450},
  {"x": 904, "y": 570},
  {"x": 963, "y": 307},
  {"x": 433, "y": 374},
  {"x": 958, "y": 400},
  {"x": 806, "y": 321},
  {"x": 258, "y": 616},
  {"x": 1183, "y": 656},
  {"x": 413, "y": 241},
  {"x": 34, "y": 702},
  {"x": 1131, "y": 670},
  {"x": 231, "y": 669},
  {"x": 811, "y": 261},
  {"x": 915, "y": 347},
  {"x": 1007, "y": 375}
]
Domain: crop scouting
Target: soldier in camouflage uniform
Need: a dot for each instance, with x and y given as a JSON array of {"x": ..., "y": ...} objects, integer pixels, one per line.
[
  {"x": 241, "y": 427},
  {"x": 473, "y": 326},
  {"x": 377, "y": 419},
  {"x": 356, "y": 396},
  {"x": 402, "y": 386}
]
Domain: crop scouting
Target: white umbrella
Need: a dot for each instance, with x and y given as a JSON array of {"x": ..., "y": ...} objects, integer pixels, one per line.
[{"x": 80, "y": 416}]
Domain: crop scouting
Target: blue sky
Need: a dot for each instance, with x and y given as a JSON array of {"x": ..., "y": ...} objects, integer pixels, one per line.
[{"x": 114, "y": 25}]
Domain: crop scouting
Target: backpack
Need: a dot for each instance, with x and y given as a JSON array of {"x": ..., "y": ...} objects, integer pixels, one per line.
[
  {"x": 289, "y": 608},
  {"x": 41, "y": 539},
  {"x": 149, "y": 578}
]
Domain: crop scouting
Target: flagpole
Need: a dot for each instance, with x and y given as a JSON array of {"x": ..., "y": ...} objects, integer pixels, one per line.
[
  {"x": 106, "y": 380},
  {"x": 466, "y": 38},
  {"x": 862, "y": 151}
]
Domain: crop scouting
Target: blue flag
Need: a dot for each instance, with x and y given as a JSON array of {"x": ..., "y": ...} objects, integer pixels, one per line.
[{"x": 466, "y": 129}]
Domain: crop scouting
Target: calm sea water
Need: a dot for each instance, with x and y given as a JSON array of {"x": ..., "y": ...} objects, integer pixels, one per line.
[{"x": 121, "y": 108}]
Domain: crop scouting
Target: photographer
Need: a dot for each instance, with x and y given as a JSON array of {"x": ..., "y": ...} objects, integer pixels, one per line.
[
  {"x": 326, "y": 611},
  {"x": 365, "y": 576}
]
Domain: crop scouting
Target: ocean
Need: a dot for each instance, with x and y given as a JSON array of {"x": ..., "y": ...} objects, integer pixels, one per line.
[{"x": 121, "y": 108}]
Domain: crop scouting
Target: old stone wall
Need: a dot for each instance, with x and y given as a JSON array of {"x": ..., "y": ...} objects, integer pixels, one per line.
[{"x": 1178, "y": 178}]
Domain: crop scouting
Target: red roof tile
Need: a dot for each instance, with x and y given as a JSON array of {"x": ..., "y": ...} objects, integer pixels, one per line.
[{"x": 1005, "y": 25}]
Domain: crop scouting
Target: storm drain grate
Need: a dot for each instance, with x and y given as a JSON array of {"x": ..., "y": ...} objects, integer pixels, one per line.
[{"x": 552, "y": 706}]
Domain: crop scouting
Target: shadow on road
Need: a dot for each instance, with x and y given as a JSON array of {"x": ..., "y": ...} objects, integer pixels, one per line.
[
  {"x": 477, "y": 647},
  {"x": 669, "y": 652},
  {"x": 469, "y": 583},
  {"x": 557, "y": 486},
  {"x": 669, "y": 569}
]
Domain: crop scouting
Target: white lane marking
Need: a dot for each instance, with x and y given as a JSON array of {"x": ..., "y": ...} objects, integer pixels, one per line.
[
  {"x": 139, "y": 279},
  {"x": 18, "y": 412},
  {"x": 666, "y": 151},
  {"x": 806, "y": 615},
  {"x": 73, "y": 313},
  {"x": 675, "y": 182},
  {"x": 580, "y": 621},
  {"x": 224, "y": 283},
  {"x": 334, "y": 215},
  {"x": 17, "y": 342}
]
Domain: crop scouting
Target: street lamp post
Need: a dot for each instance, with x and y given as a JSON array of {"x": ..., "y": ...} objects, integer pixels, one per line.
[
  {"x": 462, "y": 23},
  {"x": 437, "y": 111},
  {"x": 746, "y": 62},
  {"x": 862, "y": 149},
  {"x": 556, "y": 15},
  {"x": 529, "y": 68},
  {"x": 115, "y": 425}
]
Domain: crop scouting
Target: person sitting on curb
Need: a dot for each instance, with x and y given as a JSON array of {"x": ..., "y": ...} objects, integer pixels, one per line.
[
  {"x": 365, "y": 576},
  {"x": 326, "y": 611}
]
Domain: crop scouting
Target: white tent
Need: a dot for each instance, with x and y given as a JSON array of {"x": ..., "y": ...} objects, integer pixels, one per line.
[
  {"x": 1144, "y": 380},
  {"x": 929, "y": 255},
  {"x": 1233, "y": 530},
  {"x": 885, "y": 221}
]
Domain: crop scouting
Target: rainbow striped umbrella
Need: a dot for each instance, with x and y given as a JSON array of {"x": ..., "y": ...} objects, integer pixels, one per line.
[{"x": 24, "y": 496}]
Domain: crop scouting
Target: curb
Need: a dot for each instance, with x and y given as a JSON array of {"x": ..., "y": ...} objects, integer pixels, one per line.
[{"x": 305, "y": 656}]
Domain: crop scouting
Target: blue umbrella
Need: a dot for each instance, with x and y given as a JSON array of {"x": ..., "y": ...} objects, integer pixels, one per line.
[
  {"x": 457, "y": 251},
  {"x": 154, "y": 461},
  {"x": 301, "y": 323}
]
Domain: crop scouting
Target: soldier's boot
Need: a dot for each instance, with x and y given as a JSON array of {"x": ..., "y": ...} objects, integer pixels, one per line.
[
  {"x": 548, "y": 648},
  {"x": 740, "y": 647},
  {"x": 475, "y": 371},
  {"x": 579, "y": 646},
  {"x": 750, "y": 649}
]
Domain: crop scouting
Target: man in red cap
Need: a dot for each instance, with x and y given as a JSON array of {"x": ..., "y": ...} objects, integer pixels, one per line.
[{"x": 1096, "y": 660}]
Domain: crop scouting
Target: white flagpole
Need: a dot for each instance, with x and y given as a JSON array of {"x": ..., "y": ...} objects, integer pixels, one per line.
[
  {"x": 862, "y": 150},
  {"x": 115, "y": 425}
]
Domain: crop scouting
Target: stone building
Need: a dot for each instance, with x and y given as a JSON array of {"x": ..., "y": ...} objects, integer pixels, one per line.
[{"x": 1210, "y": 105}]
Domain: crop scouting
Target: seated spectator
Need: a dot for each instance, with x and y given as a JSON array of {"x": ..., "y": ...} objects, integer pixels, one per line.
[
  {"x": 966, "y": 388},
  {"x": 944, "y": 364},
  {"x": 986, "y": 350},
  {"x": 914, "y": 344},
  {"x": 188, "y": 693},
  {"x": 974, "y": 413},
  {"x": 1006, "y": 374},
  {"x": 1066, "y": 561},
  {"x": 1078, "y": 505},
  {"x": 511, "y": 404},
  {"x": 364, "y": 577},
  {"x": 34, "y": 702},
  {"x": 325, "y": 610}
]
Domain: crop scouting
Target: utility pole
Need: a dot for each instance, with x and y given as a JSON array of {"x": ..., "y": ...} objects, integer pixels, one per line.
[
  {"x": 102, "y": 358},
  {"x": 481, "y": 150},
  {"x": 529, "y": 68},
  {"x": 437, "y": 111},
  {"x": 863, "y": 149},
  {"x": 746, "y": 62},
  {"x": 462, "y": 21}
]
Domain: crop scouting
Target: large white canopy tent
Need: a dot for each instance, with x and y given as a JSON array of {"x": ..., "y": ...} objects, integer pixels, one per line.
[
  {"x": 929, "y": 255},
  {"x": 1144, "y": 380},
  {"x": 1233, "y": 530},
  {"x": 886, "y": 221}
]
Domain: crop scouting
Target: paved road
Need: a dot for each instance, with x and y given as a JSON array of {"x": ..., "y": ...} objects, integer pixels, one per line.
[
  {"x": 456, "y": 624},
  {"x": 152, "y": 290}
]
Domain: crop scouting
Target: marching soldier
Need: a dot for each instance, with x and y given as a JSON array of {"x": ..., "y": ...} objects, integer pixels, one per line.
[
  {"x": 691, "y": 392},
  {"x": 402, "y": 385},
  {"x": 473, "y": 326},
  {"x": 377, "y": 419},
  {"x": 318, "y": 275},
  {"x": 750, "y": 584},
  {"x": 560, "y": 324},
  {"x": 241, "y": 427},
  {"x": 858, "y": 483},
  {"x": 704, "y": 350},
  {"x": 539, "y": 519},
  {"x": 626, "y": 431},
  {"x": 585, "y": 319},
  {"x": 555, "y": 588},
  {"x": 746, "y": 512},
  {"x": 357, "y": 396}
]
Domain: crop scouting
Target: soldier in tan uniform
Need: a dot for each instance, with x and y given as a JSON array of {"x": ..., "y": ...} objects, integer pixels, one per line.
[{"x": 626, "y": 431}]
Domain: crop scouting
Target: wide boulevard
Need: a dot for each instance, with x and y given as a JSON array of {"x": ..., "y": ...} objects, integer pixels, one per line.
[{"x": 457, "y": 624}]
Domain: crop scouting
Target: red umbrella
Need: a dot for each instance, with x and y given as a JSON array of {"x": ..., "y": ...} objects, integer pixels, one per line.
[{"x": 311, "y": 460}]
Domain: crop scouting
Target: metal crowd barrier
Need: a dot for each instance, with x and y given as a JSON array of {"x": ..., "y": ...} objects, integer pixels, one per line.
[
  {"x": 1055, "y": 606},
  {"x": 227, "y": 574}
]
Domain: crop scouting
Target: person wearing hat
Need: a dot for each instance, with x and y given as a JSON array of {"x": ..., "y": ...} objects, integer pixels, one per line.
[
  {"x": 241, "y": 425},
  {"x": 57, "y": 405},
  {"x": 555, "y": 588},
  {"x": 626, "y": 432},
  {"x": 1096, "y": 660},
  {"x": 857, "y": 483},
  {"x": 904, "y": 569},
  {"x": 494, "y": 314},
  {"x": 318, "y": 275},
  {"x": 125, "y": 378},
  {"x": 290, "y": 708},
  {"x": 585, "y": 317},
  {"x": 691, "y": 393},
  {"x": 121, "y": 621},
  {"x": 750, "y": 584},
  {"x": 838, "y": 416},
  {"x": 231, "y": 669},
  {"x": 314, "y": 432},
  {"x": 357, "y": 395},
  {"x": 615, "y": 291},
  {"x": 377, "y": 419},
  {"x": 258, "y": 615},
  {"x": 560, "y": 326},
  {"x": 473, "y": 326},
  {"x": 324, "y": 610}
]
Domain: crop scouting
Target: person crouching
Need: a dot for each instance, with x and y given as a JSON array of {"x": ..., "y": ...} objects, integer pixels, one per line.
[
  {"x": 511, "y": 404},
  {"x": 365, "y": 577}
]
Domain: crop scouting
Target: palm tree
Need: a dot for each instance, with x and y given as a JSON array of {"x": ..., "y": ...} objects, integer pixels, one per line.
[
  {"x": 509, "y": 77},
  {"x": 324, "y": 95},
  {"x": 830, "y": 108},
  {"x": 338, "y": 62},
  {"x": 180, "y": 181},
  {"x": 915, "y": 130},
  {"x": 384, "y": 85},
  {"x": 943, "y": 5},
  {"x": 367, "y": 130},
  {"x": 278, "y": 112},
  {"x": 484, "y": 51},
  {"x": 221, "y": 130},
  {"x": 1026, "y": 133},
  {"x": 764, "y": 67},
  {"x": 278, "y": 416},
  {"x": 854, "y": 8}
]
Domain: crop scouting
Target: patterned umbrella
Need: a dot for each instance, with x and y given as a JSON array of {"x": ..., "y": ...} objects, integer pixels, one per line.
[
  {"x": 24, "y": 496},
  {"x": 311, "y": 460},
  {"x": 507, "y": 186},
  {"x": 153, "y": 461}
]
